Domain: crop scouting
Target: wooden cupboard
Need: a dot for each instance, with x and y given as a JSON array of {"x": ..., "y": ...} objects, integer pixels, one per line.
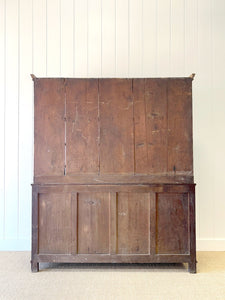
[{"x": 113, "y": 171}]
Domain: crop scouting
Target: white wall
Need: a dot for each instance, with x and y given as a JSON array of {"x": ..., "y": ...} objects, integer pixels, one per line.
[{"x": 111, "y": 38}]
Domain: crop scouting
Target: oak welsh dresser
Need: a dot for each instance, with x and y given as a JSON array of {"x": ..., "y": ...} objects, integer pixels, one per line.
[{"x": 113, "y": 171}]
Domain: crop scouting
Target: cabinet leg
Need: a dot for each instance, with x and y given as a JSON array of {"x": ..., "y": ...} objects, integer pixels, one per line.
[
  {"x": 34, "y": 266},
  {"x": 192, "y": 266}
]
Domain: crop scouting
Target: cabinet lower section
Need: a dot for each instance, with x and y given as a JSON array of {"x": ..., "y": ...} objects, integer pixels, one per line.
[{"x": 113, "y": 224}]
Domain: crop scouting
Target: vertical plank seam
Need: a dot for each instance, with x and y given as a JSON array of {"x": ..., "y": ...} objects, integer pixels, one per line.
[
  {"x": 65, "y": 127},
  {"x": 117, "y": 250},
  {"x": 77, "y": 195},
  {"x": 167, "y": 118},
  {"x": 18, "y": 124},
  {"x": 110, "y": 224},
  {"x": 99, "y": 131},
  {"x": 134, "y": 141},
  {"x": 4, "y": 114},
  {"x": 146, "y": 127}
]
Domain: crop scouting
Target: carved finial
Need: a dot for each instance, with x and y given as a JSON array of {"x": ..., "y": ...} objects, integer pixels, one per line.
[
  {"x": 33, "y": 76},
  {"x": 192, "y": 76}
]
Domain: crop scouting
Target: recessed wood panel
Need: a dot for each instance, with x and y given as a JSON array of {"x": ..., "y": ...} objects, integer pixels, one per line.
[
  {"x": 82, "y": 128},
  {"x": 93, "y": 222},
  {"x": 116, "y": 126},
  {"x": 49, "y": 127},
  {"x": 55, "y": 223},
  {"x": 172, "y": 236},
  {"x": 133, "y": 223},
  {"x": 180, "y": 156}
]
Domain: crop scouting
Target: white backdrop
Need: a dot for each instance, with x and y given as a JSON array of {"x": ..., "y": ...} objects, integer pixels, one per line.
[{"x": 111, "y": 38}]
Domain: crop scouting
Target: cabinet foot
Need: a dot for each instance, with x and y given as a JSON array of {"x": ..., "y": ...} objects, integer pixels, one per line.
[
  {"x": 192, "y": 267},
  {"x": 34, "y": 266}
]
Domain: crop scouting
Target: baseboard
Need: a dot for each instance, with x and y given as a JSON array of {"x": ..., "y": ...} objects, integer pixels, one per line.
[
  {"x": 15, "y": 244},
  {"x": 210, "y": 244},
  {"x": 25, "y": 245}
]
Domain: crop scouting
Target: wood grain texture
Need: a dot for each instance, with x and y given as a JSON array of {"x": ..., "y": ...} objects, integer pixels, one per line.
[
  {"x": 55, "y": 223},
  {"x": 49, "y": 127},
  {"x": 116, "y": 130},
  {"x": 93, "y": 222},
  {"x": 180, "y": 149},
  {"x": 172, "y": 221},
  {"x": 82, "y": 126},
  {"x": 133, "y": 223}
]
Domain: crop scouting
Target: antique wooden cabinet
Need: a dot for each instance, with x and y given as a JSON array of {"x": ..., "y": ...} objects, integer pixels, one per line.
[{"x": 113, "y": 171}]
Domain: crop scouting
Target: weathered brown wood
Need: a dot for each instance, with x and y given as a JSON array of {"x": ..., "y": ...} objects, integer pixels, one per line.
[
  {"x": 116, "y": 258},
  {"x": 180, "y": 145},
  {"x": 82, "y": 126},
  {"x": 34, "y": 250},
  {"x": 113, "y": 225},
  {"x": 152, "y": 223},
  {"x": 192, "y": 263},
  {"x": 156, "y": 125},
  {"x": 49, "y": 127},
  {"x": 93, "y": 222},
  {"x": 172, "y": 223},
  {"x": 55, "y": 223},
  {"x": 133, "y": 223},
  {"x": 156, "y": 188},
  {"x": 169, "y": 177},
  {"x": 113, "y": 171},
  {"x": 116, "y": 129}
]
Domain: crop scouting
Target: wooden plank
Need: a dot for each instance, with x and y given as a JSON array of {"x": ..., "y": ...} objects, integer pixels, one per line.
[
  {"x": 116, "y": 258},
  {"x": 49, "y": 127},
  {"x": 74, "y": 223},
  {"x": 140, "y": 128},
  {"x": 172, "y": 233},
  {"x": 133, "y": 223},
  {"x": 55, "y": 223},
  {"x": 156, "y": 124},
  {"x": 116, "y": 126},
  {"x": 180, "y": 152},
  {"x": 113, "y": 229},
  {"x": 82, "y": 128},
  {"x": 192, "y": 233},
  {"x": 93, "y": 222},
  {"x": 105, "y": 188},
  {"x": 35, "y": 231},
  {"x": 153, "y": 223},
  {"x": 179, "y": 178}
]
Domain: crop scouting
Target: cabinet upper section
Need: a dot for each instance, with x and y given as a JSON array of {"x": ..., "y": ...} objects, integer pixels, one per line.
[{"x": 126, "y": 130}]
